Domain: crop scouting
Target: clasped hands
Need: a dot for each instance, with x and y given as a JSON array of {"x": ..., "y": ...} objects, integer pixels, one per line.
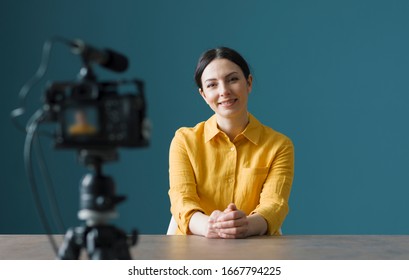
[{"x": 231, "y": 223}]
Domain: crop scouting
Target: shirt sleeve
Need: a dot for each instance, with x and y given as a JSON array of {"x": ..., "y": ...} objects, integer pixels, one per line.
[
  {"x": 183, "y": 194},
  {"x": 273, "y": 206}
]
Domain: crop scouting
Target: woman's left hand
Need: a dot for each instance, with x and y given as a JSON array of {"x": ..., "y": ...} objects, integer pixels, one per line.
[{"x": 232, "y": 223}]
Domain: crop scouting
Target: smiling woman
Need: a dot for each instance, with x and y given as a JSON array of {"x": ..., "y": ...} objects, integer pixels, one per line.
[{"x": 230, "y": 176}]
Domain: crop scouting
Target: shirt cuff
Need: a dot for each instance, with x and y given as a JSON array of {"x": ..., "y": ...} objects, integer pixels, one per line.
[{"x": 274, "y": 217}]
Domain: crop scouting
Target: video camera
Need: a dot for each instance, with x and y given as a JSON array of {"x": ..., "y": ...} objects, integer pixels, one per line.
[
  {"x": 98, "y": 115},
  {"x": 94, "y": 115}
]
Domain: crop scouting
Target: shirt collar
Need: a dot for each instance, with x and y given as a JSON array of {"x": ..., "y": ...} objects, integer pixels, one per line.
[
  {"x": 211, "y": 129},
  {"x": 252, "y": 131}
]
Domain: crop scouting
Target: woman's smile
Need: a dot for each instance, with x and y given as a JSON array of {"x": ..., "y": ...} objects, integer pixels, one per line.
[{"x": 228, "y": 103}]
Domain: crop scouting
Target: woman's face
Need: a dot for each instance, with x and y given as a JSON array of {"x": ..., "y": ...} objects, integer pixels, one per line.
[{"x": 225, "y": 88}]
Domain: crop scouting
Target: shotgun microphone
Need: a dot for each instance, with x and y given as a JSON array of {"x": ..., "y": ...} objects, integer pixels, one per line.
[{"x": 107, "y": 58}]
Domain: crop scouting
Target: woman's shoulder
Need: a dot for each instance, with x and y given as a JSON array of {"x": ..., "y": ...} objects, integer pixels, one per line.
[
  {"x": 194, "y": 131},
  {"x": 272, "y": 135},
  {"x": 199, "y": 129}
]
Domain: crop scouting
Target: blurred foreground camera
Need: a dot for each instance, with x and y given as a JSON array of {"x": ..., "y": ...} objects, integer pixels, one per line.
[
  {"x": 95, "y": 118},
  {"x": 93, "y": 115}
]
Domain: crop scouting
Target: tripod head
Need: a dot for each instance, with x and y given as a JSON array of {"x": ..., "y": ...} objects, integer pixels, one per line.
[{"x": 97, "y": 191}]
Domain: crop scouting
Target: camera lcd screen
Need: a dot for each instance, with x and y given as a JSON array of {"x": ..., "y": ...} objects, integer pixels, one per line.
[{"x": 81, "y": 122}]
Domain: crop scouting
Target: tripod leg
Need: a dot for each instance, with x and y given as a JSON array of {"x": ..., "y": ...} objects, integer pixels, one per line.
[
  {"x": 108, "y": 243},
  {"x": 123, "y": 244},
  {"x": 71, "y": 247},
  {"x": 98, "y": 244}
]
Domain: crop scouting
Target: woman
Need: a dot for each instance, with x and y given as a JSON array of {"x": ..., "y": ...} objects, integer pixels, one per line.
[{"x": 230, "y": 176}]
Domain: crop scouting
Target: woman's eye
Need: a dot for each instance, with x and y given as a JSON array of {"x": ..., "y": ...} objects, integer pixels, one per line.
[
  {"x": 211, "y": 85},
  {"x": 233, "y": 79}
]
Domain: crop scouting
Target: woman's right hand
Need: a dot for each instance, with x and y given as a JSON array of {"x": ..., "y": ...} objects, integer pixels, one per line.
[{"x": 211, "y": 231}]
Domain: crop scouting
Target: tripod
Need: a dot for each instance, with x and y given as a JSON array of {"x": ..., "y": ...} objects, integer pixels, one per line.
[{"x": 101, "y": 240}]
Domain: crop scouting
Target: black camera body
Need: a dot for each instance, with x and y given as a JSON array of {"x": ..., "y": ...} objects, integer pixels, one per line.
[{"x": 97, "y": 115}]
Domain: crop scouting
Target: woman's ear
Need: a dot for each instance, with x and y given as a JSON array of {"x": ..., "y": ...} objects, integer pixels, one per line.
[
  {"x": 249, "y": 83},
  {"x": 203, "y": 94}
]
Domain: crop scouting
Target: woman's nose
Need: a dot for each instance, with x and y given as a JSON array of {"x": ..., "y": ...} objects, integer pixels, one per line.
[{"x": 224, "y": 89}]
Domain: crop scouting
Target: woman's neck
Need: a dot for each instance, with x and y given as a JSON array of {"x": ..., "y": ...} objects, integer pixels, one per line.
[{"x": 232, "y": 126}]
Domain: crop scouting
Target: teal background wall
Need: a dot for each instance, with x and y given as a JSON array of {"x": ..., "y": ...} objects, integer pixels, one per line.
[{"x": 332, "y": 75}]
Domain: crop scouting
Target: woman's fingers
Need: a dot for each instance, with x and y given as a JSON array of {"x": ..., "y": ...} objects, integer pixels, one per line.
[
  {"x": 215, "y": 215},
  {"x": 231, "y": 207},
  {"x": 231, "y": 223},
  {"x": 233, "y": 236},
  {"x": 211, "y": 231},
  {"x": 233, "y": 215},
  {"x": 234, "y": 232}
]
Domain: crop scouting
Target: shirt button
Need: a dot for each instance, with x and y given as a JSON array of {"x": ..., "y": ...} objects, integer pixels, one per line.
[
  {"x": 232, "y": 149},
  {"x": 231, "y": 180}
]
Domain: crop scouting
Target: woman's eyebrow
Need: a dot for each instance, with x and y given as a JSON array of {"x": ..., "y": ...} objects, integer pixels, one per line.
[
  {"x": 231, "y": 74},
  {"x": 228, "y": 75}
]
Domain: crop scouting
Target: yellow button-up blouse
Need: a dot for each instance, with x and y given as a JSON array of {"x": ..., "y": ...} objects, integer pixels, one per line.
[{"x": 207, "y": 171}]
